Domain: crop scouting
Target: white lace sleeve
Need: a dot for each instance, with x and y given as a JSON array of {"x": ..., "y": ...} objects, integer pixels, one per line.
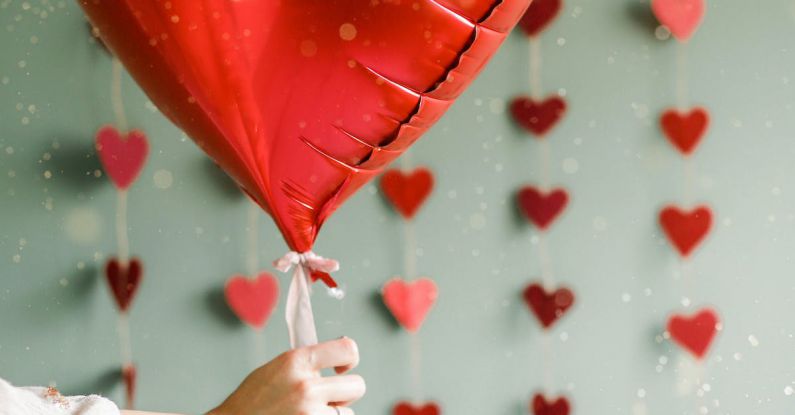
[{"x": 48, "y": 401}]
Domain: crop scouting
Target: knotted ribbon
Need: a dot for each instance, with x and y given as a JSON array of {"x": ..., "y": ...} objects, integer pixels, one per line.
[{"x": 298, "y": 307}]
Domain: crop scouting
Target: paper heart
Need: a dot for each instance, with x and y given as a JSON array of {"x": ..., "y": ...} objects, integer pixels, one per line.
[
  {"x": 681, "y": 17},
  {"x": 542, "y": 406},
  {"x": 539, "y": 15},
  {"x": 694, "y": 333},
  {"x": 407, "y": 191},
  {"x": 302, "y": 102},
  {"x": 122, "y": 158},
  {"x": 123, "y": 280},
  {"x": 410, "y": 301},
  {"x": 538, "y": 117},
  {"x": 685, "y": 129},
  {"x": 548, "y": 307},
  {"x": 252, "y": 300},
  {"x": 129, "y": 375},
  {"x": 406, "y": 408},
  {"x": 686, "y": 229},
  {"x": 541, "y": 208}
]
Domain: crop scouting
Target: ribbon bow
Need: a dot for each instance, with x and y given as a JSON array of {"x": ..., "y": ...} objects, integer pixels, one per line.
[{"x": 306, "y": 267}]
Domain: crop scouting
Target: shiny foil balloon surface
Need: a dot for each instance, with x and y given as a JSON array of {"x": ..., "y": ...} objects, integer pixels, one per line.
[{"x": 303, "y": 101}]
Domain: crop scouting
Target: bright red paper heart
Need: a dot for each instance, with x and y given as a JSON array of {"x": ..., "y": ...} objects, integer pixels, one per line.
[
  {"x": 302, "y": 102},
  {"x": 542, "y": 406},
  {"x": 548, "y": 307},
  {"x": 129, "y": 375},
  {"x": 252, "y": 300},
  {"x": 686, "y": 229},
  {"x": 685, "y": 129},
  {"x": 406, "y": 408},
  {"x": 410, "y": 301},
  {"x": 123, "y": 280},
  {"x": 539, "y": 15},
  {"x": 541, "y": 208},
  {"x": 407, "y": 191},
  {"x": 122, "y": 158},
  {"x": 681, "y": 17},
  {"x": 694, "y": 333},
  {"x": 538, "y": 117}
]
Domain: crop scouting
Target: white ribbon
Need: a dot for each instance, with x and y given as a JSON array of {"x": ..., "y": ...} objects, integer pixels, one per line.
[{"x": 298, "y": 307}]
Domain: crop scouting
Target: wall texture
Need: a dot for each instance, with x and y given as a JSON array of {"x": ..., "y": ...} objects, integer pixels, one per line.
[{"x": 481, "y": 350}]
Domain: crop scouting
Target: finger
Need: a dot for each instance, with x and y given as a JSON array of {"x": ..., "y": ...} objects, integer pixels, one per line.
[
  {"x": 342, "y": 354},
  {"x": 341, "y": 389},
  {"x": 330, "y": 410}
]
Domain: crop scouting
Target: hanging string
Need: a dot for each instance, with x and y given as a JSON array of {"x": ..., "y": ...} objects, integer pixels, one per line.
[
  {"x": 681, "y": 76},
  {"x": 536, "y": 90},
  {"x": 115, "y": 93}
]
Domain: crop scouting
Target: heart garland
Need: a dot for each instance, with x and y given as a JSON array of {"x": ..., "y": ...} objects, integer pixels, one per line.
[
  {"x": 681, "y": 17},
  {"x": 685, "y": 129},
  {"x": 129, "y": 376},
  {"x": 686, "y": 229},
  {"x": 410, "y": 301},
  {"x": 694, "y": 333},
  {"x": 548, "y": 307},
  {"x": 407, "y": 191},
  {"x": 122, "y": 156},
  {"x": 252, "y": 300},
  {"x": 539, "y": 15},
  {"x": 540, "y": 207},
  {"x": 123, "y": 281},
  {"x": 541, "y": 406},
  {"x": 406, "y": 408},
  {"x": 538, "y": 117}
]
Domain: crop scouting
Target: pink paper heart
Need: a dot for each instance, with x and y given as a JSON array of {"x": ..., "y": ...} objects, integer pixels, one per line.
[
  {"x": 122, "y": 157},
  {"x": 410, "y": 301},
  {"x": 252, "y": 300},
  {"x": 681, "y": 17}
]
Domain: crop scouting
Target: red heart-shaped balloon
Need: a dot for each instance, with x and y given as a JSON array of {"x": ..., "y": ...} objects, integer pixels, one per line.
[
  {"x": 548, "y": 307},
  {"x": 410, "y": 301},
  {"x": 686, "y": 229},
  {"x": 681, "y": 17},
  {"x": 406, "y": 408},
  {"x": 122, "y": 158},
  {"x": 694, "y": 333},
  {"x": 541, "y": 406},
  {"x": 407, "y": 191},
  {"x": 252, "y": 300},
  {"x": 539, "y": 15},
  {"x": 129, "y": 375},
  {"x": 123, "y": 280},
  {"x": 685, "y": 129},
  {"x": 304, "y": 101},
  {"x": 538, "y": 117},
  {"x": 541, "y": 208}
]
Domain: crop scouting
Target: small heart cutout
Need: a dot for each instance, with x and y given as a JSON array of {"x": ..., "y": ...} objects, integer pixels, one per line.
[
  {"x": 681, "y": 17},
  {"x": 407, "y": 191},
  {"x": 410, "y": 301},
  {"x": 541, "y": 406},
  {"x": 685, "y": 129},
  {"x": 123, "y": 280},
  {"x": 122, "y": 157},
  {"x": 252, "y": 300},
  {"x": 694, "y": 333},
  {"x": 548, "y": 307},
  {"x": 541, "y": 208},
  {"x": 129, "y": 375},
  {"x": 539, "y": 15},
  {"x": 538, "y": 117},
  {"x": 405, "y": 408},
  {"x": 686, "y": 229}
]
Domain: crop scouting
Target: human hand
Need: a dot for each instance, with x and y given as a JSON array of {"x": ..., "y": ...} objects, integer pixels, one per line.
[{"x": 291, "y": 384}]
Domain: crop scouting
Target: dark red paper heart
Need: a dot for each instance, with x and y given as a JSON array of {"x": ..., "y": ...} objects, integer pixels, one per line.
[
  {"x": 694, "y": 333},
  {"x": 685, "y": 129},
  {"x": 541, "y": 208},
  {"x": 405, "y": 408},
  {"x": 123, "y": 280},
  {"x": 548, "y": 307},
  {"x": 538, "y": 118},
  {"x": 539, "y": 15},
  {"x": 407, "y": 191},
  {"x": 129, "y": 374},
  {"x": 122, "y": 158},
  {"x": 542, "y": 406},
  {"x": 686, "y": 229},
  {"x": 252, "y": 300}
]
